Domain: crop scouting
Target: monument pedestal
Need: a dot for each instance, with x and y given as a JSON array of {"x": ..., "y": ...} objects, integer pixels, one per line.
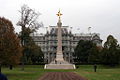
[{"x": 59, "y": 65}]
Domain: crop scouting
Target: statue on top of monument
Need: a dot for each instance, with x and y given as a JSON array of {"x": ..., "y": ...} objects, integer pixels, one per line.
[{"x": 59, "y": 14}]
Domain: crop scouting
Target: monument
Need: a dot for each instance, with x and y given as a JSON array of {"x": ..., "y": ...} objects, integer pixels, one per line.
[
  {"x": 59, "y": 55},
  {"x": 59, "y": 62}
]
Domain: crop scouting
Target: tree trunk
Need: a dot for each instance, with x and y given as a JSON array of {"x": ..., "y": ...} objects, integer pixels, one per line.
[{"x": 23, "y": 64}]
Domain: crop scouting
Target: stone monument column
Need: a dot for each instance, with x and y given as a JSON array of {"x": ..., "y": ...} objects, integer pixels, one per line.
[
  {"x": 59, "y": 62},
  {"x": 59, "y": 55}
]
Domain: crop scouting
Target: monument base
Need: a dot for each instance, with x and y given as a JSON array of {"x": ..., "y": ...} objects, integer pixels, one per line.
[{"x": 59, "y": 65}]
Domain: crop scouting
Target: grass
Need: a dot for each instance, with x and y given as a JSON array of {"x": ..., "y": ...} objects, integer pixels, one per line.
[
  {"x": 33, "y": 72},
  {"x": 103, "y": 73},
  {"x": 30, "y": 73}
]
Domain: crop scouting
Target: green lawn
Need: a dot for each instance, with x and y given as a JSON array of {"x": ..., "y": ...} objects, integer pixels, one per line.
[
  {"x": 33, "y": 72},
  {"x": 30, "y": 73},
  {"x": 103, "y": 73}
]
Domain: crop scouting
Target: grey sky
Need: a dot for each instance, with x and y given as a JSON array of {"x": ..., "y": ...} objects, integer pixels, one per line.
[{"x": 102, "y": 15}]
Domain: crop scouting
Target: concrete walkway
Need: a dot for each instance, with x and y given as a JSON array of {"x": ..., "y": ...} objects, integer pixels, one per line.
[{"x": 61, "y": 76}]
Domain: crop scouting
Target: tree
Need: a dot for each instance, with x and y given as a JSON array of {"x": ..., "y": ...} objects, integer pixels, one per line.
[
  {"x": 36, "y": 55},
  {"x": 29, "y": 24},
  {"x": 32, "y": 51},
  {"x": 83, "y": 50},
  {"x": 110, "y": 52},
  {"x": 10, "y": 48},
  {"x": 29, "y": 19},
  {"x": 94, "y": 55}
]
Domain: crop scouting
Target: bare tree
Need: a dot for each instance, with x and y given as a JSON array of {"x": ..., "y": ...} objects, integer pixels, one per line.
[
  {"x": 29, "y": 18},
  {"x": 29, "y": 24}
]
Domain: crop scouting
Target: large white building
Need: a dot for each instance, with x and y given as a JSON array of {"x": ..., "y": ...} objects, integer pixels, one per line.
[{"x": 48, "y": 42}]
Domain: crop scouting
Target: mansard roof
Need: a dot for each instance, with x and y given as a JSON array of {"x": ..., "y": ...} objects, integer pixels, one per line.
[
  {"x": 96, "y": 37},
  {"x": 54, "y": 30}
]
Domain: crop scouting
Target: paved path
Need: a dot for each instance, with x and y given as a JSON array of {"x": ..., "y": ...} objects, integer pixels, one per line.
[{"x": 61, "y": 76}]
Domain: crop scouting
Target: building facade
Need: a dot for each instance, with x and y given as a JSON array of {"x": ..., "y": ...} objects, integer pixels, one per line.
[{"x": 48, "y": 42}]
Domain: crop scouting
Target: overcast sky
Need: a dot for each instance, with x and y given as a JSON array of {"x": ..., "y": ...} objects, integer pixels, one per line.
[{"x": 102, "y": 15}]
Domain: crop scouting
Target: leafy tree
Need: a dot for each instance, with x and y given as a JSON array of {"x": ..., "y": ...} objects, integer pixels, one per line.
[
  {"x": 110, "y": 52},
  {"x": 94, "y": 55},
  {"x": 83, "y": 50},
  {"x": 32, "y": 51},
  {"x": 37, "y": 55},
  {"x": 10, "y": 48}
]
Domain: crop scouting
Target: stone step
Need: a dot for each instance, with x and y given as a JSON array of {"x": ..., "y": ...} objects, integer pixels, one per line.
[
  {"x": 59, "y": 66},
  {"x": 59, "y": 62}
]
